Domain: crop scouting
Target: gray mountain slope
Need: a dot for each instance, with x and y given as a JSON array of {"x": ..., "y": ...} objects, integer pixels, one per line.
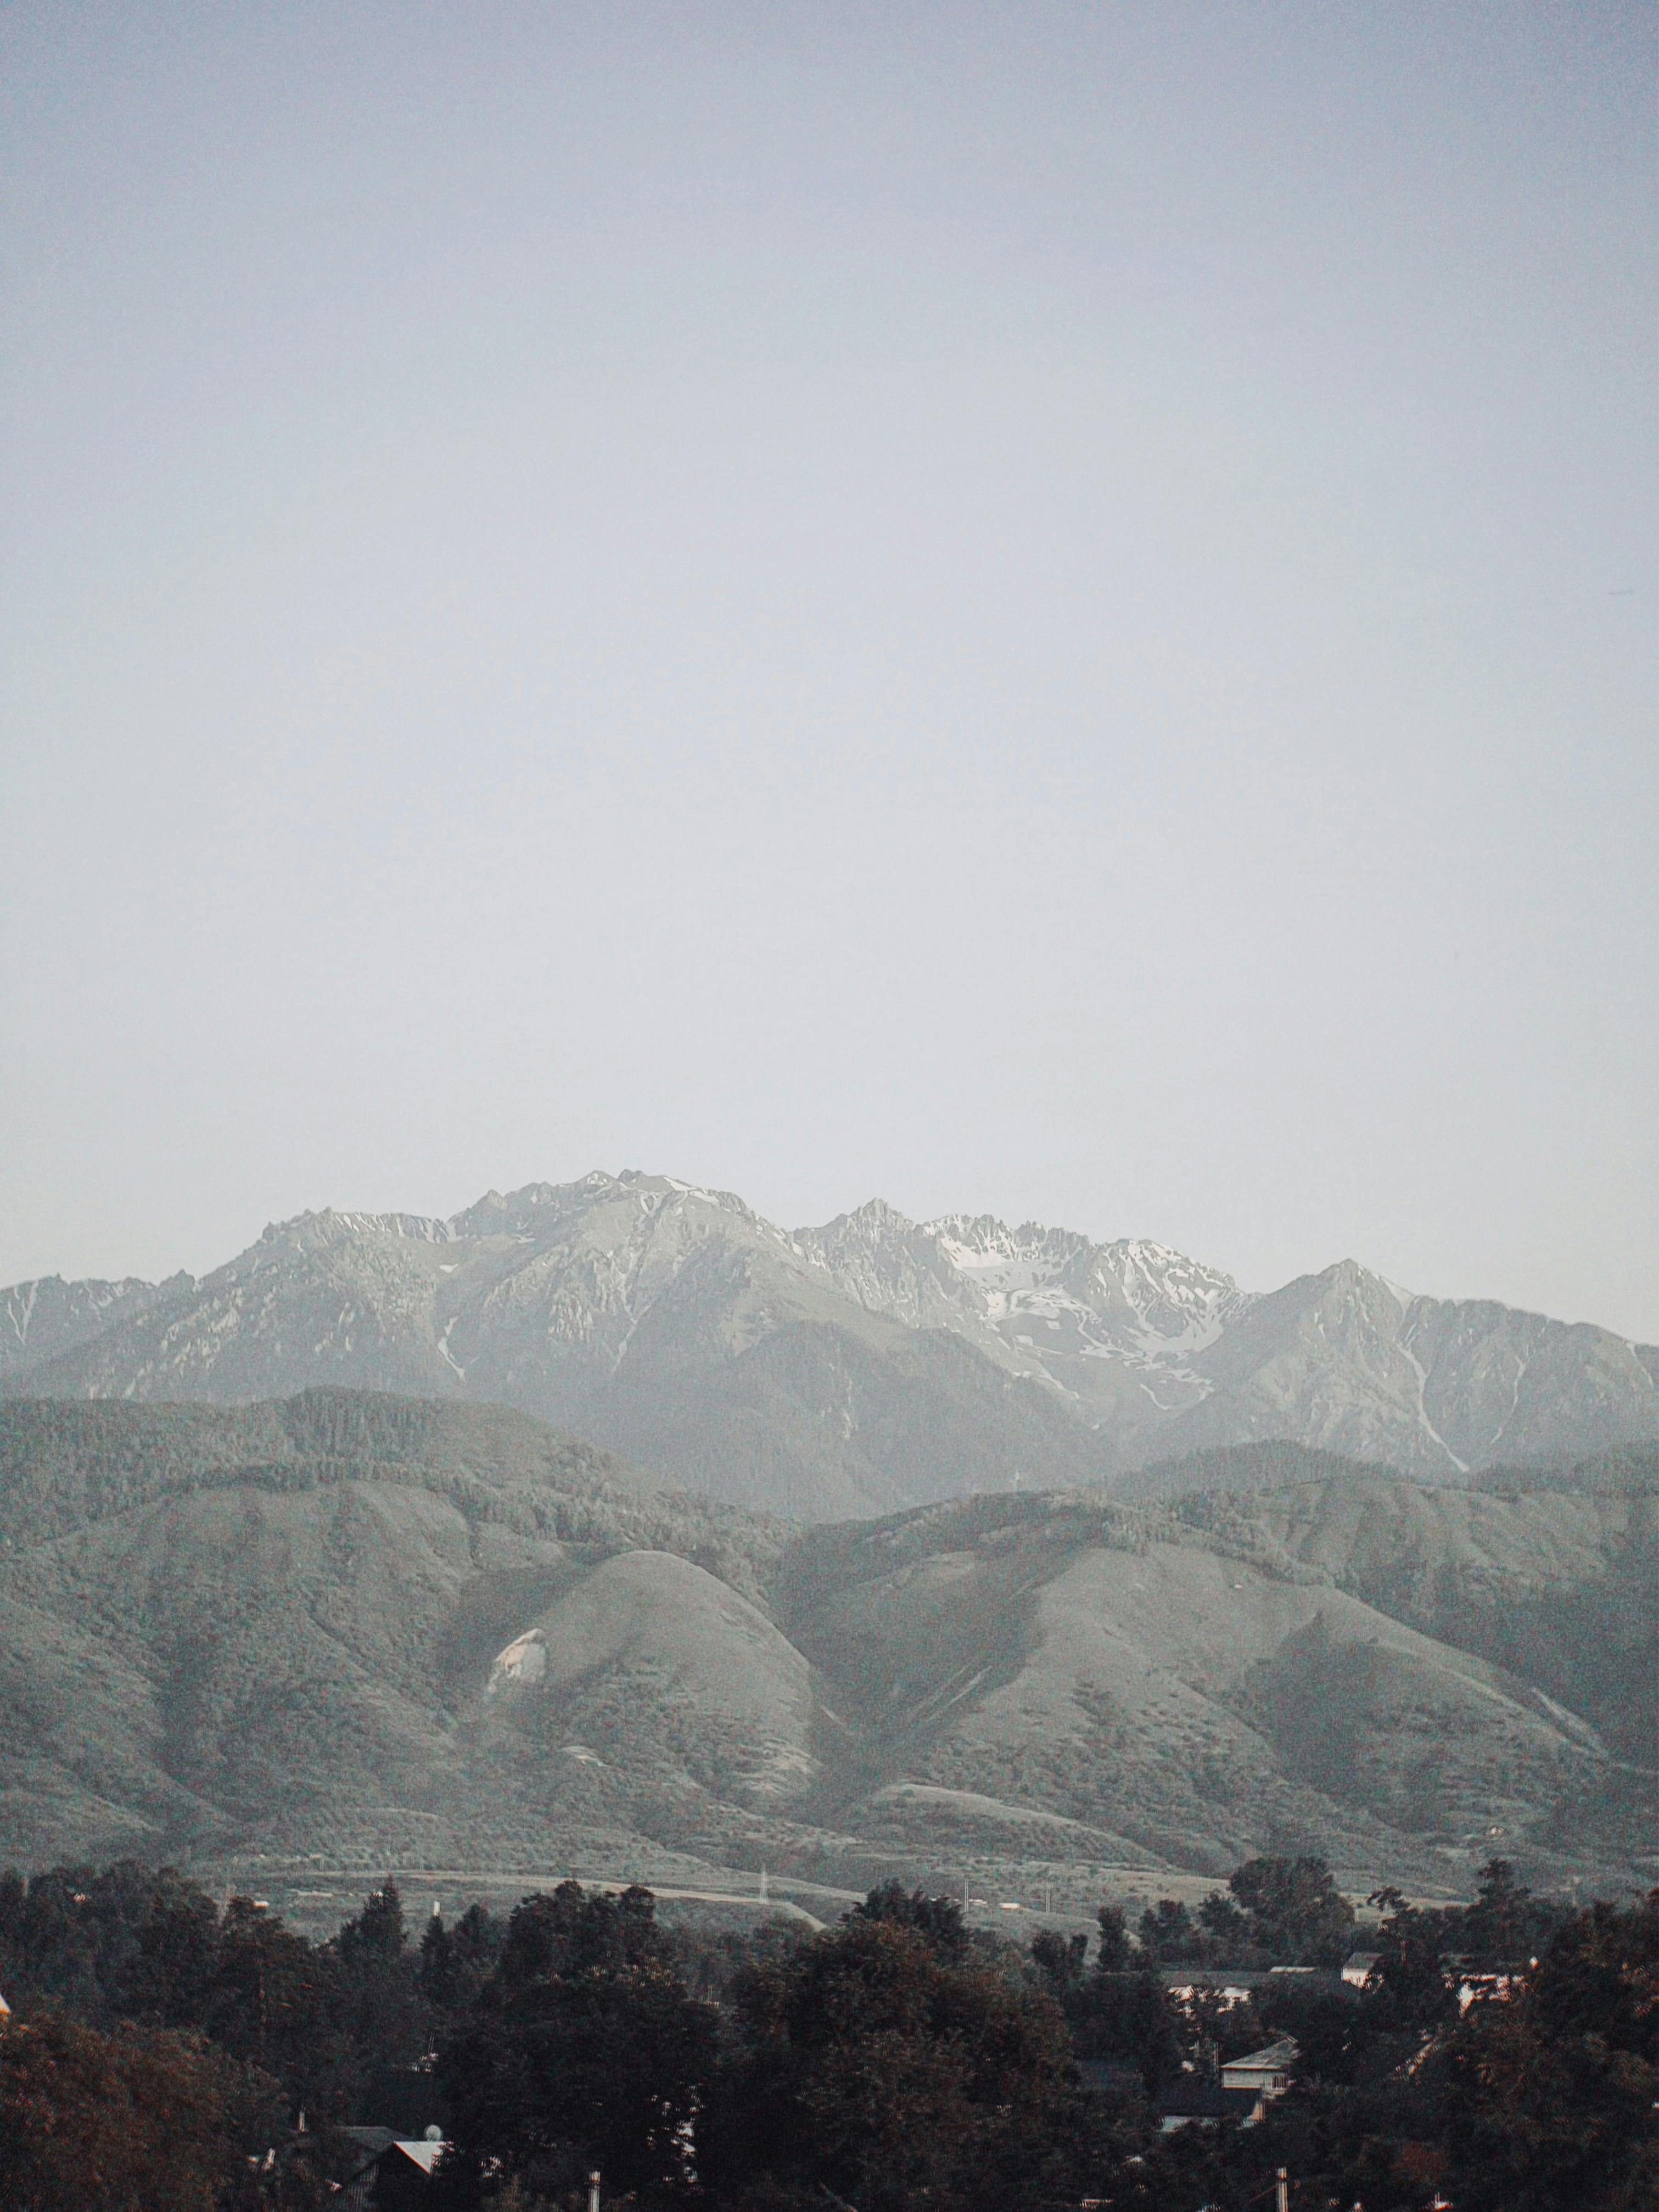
[
  {"x": 1112, "y": 1328},
  {"x": 1172, "y": 1692},
  {"x": 670, "y": 1323},
  {"x": 375, "y": 1630},
  {"x": 858, "y": 1368},
  {"x": 1437, "y": 1387},
  {"x": 1557, "y": 1586},
  {"x": 42, "y": 1320}
]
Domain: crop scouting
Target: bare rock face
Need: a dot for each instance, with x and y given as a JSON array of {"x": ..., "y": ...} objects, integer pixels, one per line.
[{"x": 872, "y": 1364}]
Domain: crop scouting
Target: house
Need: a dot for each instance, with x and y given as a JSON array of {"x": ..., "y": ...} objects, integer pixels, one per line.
[
  {"x": 1266, "y": 2072},
  {"x": 396, "y": 2170},
  {"x": 403, "y": 2173},
  {"x": 356, "y": 2191},
  {"x": 1199, "y": 2101},
  {"x": 1232, "y": 1985},
  {"x": 1488, "y": 1989},
  {"x": 1236, "y": 1985},
  {"x": 1359, "y": 1969}
]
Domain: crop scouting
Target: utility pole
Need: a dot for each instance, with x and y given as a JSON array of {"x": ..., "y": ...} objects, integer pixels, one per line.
[
  {"x": 593, "y": 2192},
  {"x": 1281, "y": 2193}
]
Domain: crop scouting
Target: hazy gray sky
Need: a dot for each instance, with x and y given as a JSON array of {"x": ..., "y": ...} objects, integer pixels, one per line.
[{"x": 1042, "y": 608}]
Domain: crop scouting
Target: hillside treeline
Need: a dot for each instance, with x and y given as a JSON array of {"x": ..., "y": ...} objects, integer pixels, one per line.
[
  {"x": 67, "y": 1464},
  {"x": 166, "y": 2055}
]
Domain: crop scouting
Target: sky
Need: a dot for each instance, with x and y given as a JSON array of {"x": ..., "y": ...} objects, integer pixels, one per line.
[{"x": 1038, "y": 609}]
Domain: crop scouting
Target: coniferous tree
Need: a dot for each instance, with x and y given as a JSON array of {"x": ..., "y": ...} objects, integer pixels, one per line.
[
  {"x": 384, "y": 2018},
  {"x": 1112, "y": 1952}
]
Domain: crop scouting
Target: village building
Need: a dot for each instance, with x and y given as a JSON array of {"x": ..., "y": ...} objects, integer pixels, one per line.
[
  {"x": 1266, "y": 2072},
  {"x": 1234, "y": 1985},
  {"x": 1488, "y": 1988},
  {"x": 1240, "y": 2089},
  {"x": 396, "y": 2173},
  {"x": 1231, "y": 1986},
  {"x": 1200, "y": 2102}
]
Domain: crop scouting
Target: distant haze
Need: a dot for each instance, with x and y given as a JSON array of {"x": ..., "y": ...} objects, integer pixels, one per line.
[{"x": 1043, "y": 609}]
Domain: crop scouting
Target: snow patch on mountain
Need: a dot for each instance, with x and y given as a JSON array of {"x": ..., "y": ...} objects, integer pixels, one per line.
[{"x": 1086, "y": 1318}]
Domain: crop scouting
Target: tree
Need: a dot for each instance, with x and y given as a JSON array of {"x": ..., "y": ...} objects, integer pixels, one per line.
[
  {"x": 140, "y": 2121},
  {"x": 1506, "y": 1924},
  {"x": 1059, "y": 1960},
  {"x": 169, "y": 1974},
  {"x": 937, "y": 1920},
  {"x": 275, "y": 2003},
  {"x": 1298, "y": 1915},
  {"x": 584, "y": 2050},
  {"x": 1550, "y": 2095},
  {"x": 1414, "y": 1985},
  {"x": 455, "y": 1964},
  {"x": 128, "y": 1943},
  {"x": 383, "y": 2016},
  {"x": 1226, "y": 1929},
  {"x": 1112, "y": 1953},
  {"x": 1168, "y": 1935},
  {"x": 874, "y": 2067},
  {"x": 438, "y": 1974},
  {"x": 1129, "y": 2019}
]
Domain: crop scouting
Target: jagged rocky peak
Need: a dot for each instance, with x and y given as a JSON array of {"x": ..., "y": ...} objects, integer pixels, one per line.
[
  {"x": 331, "y": 1226},
  {"x": 888, "y": 1262},
  {"x": 42, "y": 1318},
  {"x": 974, "y": 1269},
  {"x": 1173, "y": 1296},
  {"x": 669, "y": 1190},
  {"x": 871, "y": 1226},
  {"x": 670, "y": 1320},
  {"x": 1349, "y": 1289},
  {"x": 1158, "y": 1288},
  {"x": 954, "y": 1244},
  {"x": 979, "y": 1240},
  {"x": 547, "y": 1212},
  {"x": 532, "y": 1211}
]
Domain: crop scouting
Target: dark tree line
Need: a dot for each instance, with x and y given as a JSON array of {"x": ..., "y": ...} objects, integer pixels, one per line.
[
  {"x": 1273, "y": 1911},
  {"x": 161, "y": 2053}
]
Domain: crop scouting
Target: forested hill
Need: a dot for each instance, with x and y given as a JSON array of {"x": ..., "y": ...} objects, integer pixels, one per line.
[
  {"x": 354, "y": 1630},
  {"x": 69, "y": 1464}
]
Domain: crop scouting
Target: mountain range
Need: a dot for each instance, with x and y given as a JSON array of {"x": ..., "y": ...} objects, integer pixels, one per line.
[
  {"x": 349, "y": 1631},
  {"x": 860, "y": 1368}
]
